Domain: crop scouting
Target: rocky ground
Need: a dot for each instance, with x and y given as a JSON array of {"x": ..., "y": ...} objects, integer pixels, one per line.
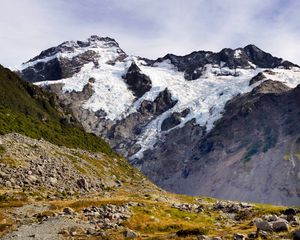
[
  {"x": 152, "y": 219},
  {"x": 52, "y": 192},
  {"x": 50, "y": 171}
]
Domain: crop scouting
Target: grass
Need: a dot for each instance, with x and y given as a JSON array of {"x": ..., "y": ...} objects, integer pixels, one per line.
[
  {"x": 13, "y": 163},
  {"x": 157, "y": 219},
  {"x": 76, "y": 163}
]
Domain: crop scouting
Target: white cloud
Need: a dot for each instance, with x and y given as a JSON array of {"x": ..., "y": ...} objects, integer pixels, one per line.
[{"x": 150, "y": 28}]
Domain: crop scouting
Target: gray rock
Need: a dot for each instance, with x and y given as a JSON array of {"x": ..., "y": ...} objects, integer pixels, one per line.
[
  {"x": 290, "y": 211},
  {"x": 53, "y": 181},
  {"x": 263, "y": 234},
  {"x": 271, "y": 218},
  {"x": 68, "y": 211},
  {"x": 239, "y": 236},
  {"x": 203, "y": 237},
  {"x": 263, "y": 225},
  {"x": 252, "y": 235},
  {"x": 32, "y": 178},
  {"x": 130, "y": 234},
  {"x": 280, "y": 225},
  {"x": 296, "y": 234},
  {"x": 82, "y": 183},
  {"x": 8, "y": 184},
  {"x": 92, "y": 231}
]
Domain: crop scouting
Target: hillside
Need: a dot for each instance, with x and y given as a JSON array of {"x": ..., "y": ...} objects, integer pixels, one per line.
[{"x": 32, "y": 111}]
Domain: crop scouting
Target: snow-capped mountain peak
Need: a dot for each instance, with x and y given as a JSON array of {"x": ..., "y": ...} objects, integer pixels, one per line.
[
  {"x": 185, "y": 119},
  {"x": 198, "y": 84}
]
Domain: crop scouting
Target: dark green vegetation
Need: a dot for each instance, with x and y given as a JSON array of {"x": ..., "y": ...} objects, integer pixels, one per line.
[
  {"x": 32, "y": 111},
  {"x": 252, "y": 150},
  {"x": 270, "y": 139}
]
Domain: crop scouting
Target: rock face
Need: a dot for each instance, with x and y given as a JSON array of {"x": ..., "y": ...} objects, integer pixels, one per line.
[
  {"x": 137, "y": 82},
  {"x": 124, "y": 133},
  {"x": 220, "y": 124},
  {"x": 174, "y": 120}
]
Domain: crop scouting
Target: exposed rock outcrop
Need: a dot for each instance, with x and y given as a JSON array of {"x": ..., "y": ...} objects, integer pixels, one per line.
[{"x": 137, "y": 82}]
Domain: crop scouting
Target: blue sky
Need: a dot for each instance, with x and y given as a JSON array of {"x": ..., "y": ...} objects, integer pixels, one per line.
[{"x": 150, "y": 28}]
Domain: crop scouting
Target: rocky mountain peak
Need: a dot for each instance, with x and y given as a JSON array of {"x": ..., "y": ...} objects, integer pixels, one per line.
[
  {"x": 67, "y": 59},
  {"x": 70, "y": 47},
  {"x": 97, "y": 39},
  {"x": 193, "y": 64}
]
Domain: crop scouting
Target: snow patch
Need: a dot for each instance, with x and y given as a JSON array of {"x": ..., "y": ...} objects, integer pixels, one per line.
[{"x": 237, "y": 53}]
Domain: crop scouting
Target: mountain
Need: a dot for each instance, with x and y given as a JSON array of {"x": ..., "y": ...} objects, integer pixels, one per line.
[
  {"x": 59, "y": 182},
  {"x": 219, "y": 124}
]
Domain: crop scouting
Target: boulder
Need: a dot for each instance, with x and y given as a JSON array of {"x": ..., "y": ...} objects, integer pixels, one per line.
[
  {"x": 53, "y": 181},
  {"x": 290, "y": 211},
  {"x": 263, "y": 225},
  {"x": 296, "y": 234},
  {"x": 271, "y": 218},
  {"x": 32, "y": 178},
  {"x": 130, "y": 234},
  {"x": 252, "y": 235},
  {"x": 8, "y": 184},
  {"x": 280, "y": 225},
  {"x": 239, "y": 236},
  {"x": 82, "y": 183},
  {"x": 68, "y": 211},
  {"x": 203, "y": 237}
]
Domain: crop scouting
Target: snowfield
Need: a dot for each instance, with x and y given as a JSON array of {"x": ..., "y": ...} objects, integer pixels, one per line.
[{"x": 205, "y": 97}]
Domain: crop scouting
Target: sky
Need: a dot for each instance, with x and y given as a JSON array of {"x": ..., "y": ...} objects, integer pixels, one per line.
[{"x": 150, "y": 28}]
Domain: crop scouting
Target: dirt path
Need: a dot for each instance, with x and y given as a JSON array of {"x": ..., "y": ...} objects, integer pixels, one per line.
[{"x": 47, "y": 230}]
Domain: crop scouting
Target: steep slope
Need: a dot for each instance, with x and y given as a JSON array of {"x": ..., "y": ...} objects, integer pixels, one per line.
[
  {"x": 34, "y": 112},
  {"x": 158, "y": 112}
]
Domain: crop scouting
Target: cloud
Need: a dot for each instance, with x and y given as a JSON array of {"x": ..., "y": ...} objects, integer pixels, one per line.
[{"x": 150, "y": 28}]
